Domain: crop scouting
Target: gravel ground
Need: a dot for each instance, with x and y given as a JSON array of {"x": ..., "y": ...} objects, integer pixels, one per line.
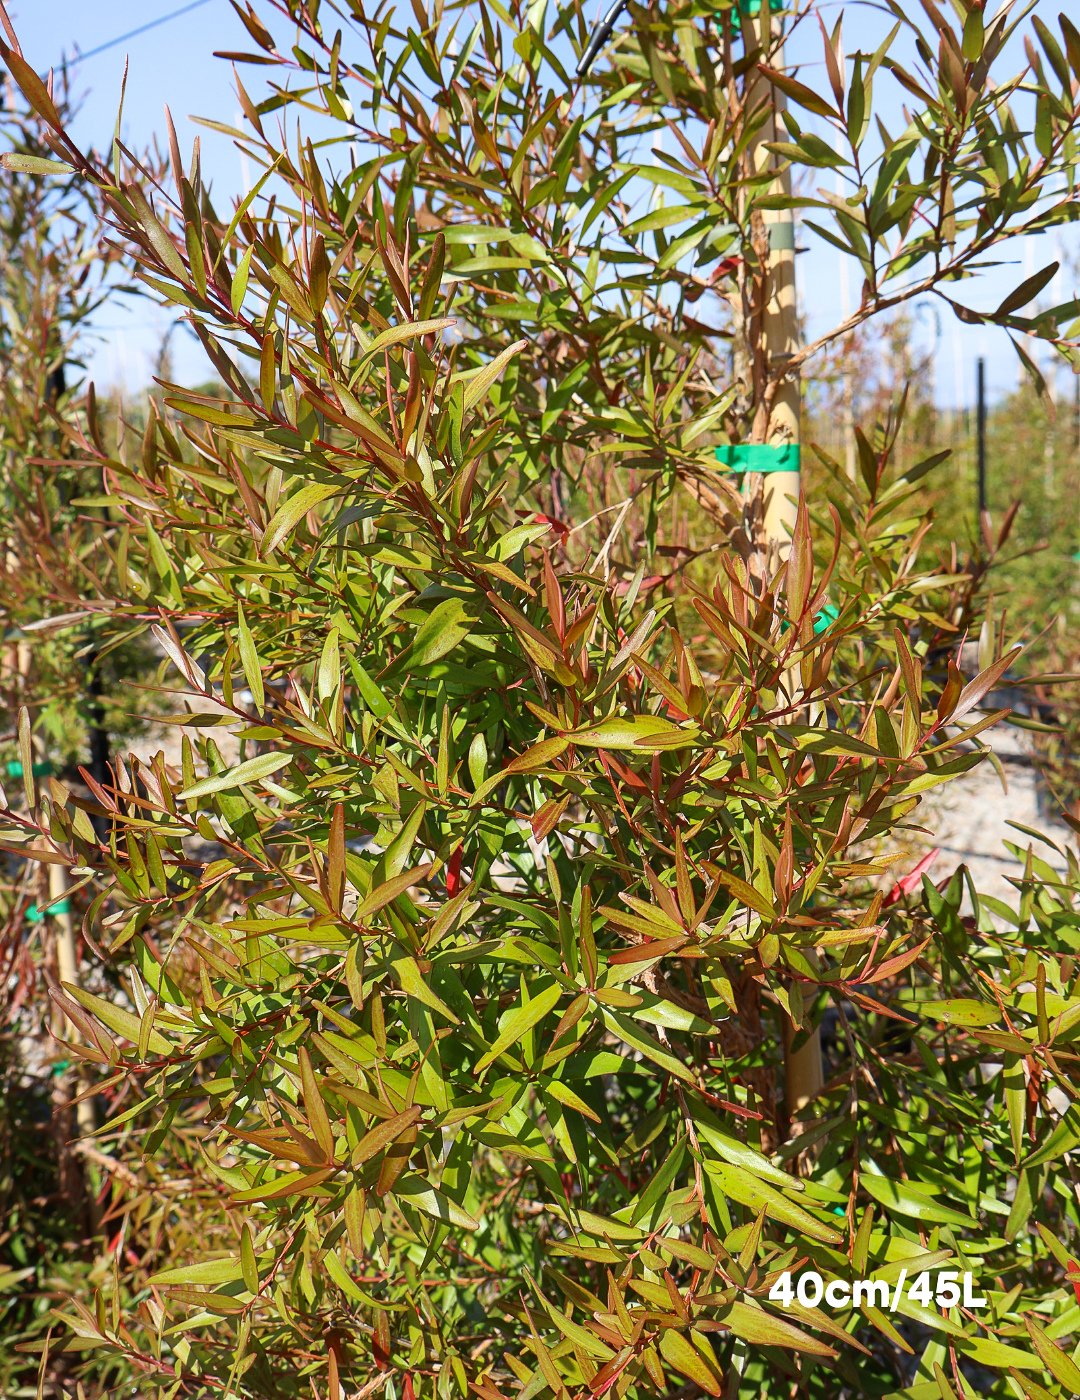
[
  {"x": 969, "y": 819},
  {"x": 168, "y": 738}
]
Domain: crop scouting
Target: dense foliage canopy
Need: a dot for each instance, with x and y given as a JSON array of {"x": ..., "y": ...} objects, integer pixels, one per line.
[{"x": 447, "y": 978}]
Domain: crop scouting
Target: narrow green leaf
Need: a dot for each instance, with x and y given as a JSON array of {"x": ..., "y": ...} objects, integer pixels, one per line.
[
  {"x": 678, "y": 1351},
  {"x": 33, "y": 89},
  {"x": 412, "y": 982},
  {"x": 160, "y": 241},
  {"x": 417, "y": 1193},
  {"x": 250, "y": 771},
  {"x": 208, "y": 1272},
  {"x": 408, "y": 330},
  {"x": 444, "y": 628},
  {"x": 800, "y": 93},
  {"x": 520, "y": 1020},
  {"x": 329, "y": 670},
  {"x": 249, "y": 660},
  {"x": 382, "y": 894},
  {"x": 244, "y": 206},
  {"x": 1060, "y": 1365},
  {"x": 380, "y": 1137},
  {"x": 479, "y": 384},
  {"x": 763, "y": 1329},
  {"x": 632, "y": 1034},
  {"x": 124, "y": 1023},
  {"x": 247, "y": 1260},
  {"x": 240, "y": 281},
  {"x": 34, "y": 165},
  {"x": 641, "y": 732},
  {"x": 1027, "y": 291},
  {"x": 539, "y": 756},
  {"x": 288, "y": 514},
  {"x": 314, "y": 1106},
  {"x": 898, "y": 1196},
  {"x": 26, "y": 757}
]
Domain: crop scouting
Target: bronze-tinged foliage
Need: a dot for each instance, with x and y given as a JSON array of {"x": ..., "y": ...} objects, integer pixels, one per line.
[
  {"x": 53, "y": 278},
  {"x": 450, "y": 1011}
]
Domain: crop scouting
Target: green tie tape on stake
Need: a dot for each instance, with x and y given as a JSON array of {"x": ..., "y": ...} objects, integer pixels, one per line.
[
  {"x": 33, "y": 914},
  {"x": 822, "y": 622},
  {"x": 759, "y": 456},
  {"x": 40, "y": 770}
]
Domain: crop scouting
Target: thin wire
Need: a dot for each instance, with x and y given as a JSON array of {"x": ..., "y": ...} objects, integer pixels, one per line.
[{"x": 153, "y": 24}]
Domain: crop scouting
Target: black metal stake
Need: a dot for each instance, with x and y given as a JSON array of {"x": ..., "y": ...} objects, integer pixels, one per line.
[
  {"x": 98, "y": 736},
  {"x": 981, "y": 430},
  {"x": 600, "y": 35}
]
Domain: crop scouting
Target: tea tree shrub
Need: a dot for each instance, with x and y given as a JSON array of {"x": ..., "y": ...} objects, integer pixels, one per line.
[{"x": 451, "y": 1017}]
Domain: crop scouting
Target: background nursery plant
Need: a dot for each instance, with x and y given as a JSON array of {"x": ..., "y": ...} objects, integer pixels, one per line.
[
  {"x": 52, "y": 281},
  {"x": 449, "y": 1013}
]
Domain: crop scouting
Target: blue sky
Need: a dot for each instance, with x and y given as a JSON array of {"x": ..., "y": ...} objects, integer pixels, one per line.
[{"x": 173, "y": 64}]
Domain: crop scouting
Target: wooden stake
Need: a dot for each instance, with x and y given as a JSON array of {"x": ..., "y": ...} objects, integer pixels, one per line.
[
  {"x": 779, "y": 341},
  {"x": 63, "y": 925},
  {"x": 68, "y": 968}
]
